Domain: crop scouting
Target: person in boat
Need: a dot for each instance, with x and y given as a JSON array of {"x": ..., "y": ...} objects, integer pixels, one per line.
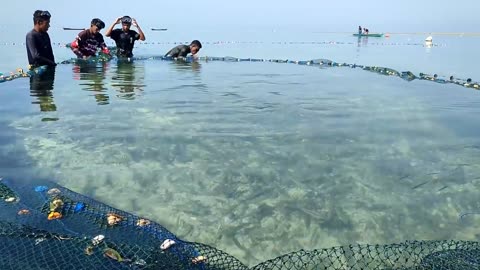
[
  {"x": 39, "y": 46},
  {"x": 184, "y": 50},
  {"x": 90, "y": 40},
  {"x": 366, "y": 31},
  {"x": 125, "y": 37},
  {"x": 359, "y": 30}
]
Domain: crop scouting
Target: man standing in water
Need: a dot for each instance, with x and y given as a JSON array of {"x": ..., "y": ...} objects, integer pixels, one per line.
[
  {"x": 39, "y": 46},
  {"x": 184, "y": 50},
  {"x": 40, "y": 53},
  {"x": 125, "y": 38}
]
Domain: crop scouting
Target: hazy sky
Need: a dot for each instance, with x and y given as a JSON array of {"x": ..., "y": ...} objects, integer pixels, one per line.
[{"x": 317, "y": 15}]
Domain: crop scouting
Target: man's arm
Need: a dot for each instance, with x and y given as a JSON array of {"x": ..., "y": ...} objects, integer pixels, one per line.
[
  {"x": 110, "y": 29},
  {"x": 75, "y": 46},
  {"x": 103, "y": 46},
  {"x": 140, "y": 32},
  {"x": 78, "y": 43}
]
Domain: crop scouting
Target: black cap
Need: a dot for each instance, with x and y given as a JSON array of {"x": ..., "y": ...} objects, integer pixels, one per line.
[
  {"x": 99, "y": 23},
  {"x": 44, "y": 14},
  {"x": 126, "y": 20}
]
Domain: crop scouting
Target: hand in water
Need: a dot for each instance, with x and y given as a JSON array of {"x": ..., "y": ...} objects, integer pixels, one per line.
[{"x": 106, "y": 50}]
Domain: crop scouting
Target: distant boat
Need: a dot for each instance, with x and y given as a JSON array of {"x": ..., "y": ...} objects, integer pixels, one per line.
[
  {"x": 429, "y": 39},
  {"x": 368, "y": 35}
]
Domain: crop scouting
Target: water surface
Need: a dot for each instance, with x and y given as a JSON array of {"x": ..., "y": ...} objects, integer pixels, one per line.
[{"x": 259, "y": 159}]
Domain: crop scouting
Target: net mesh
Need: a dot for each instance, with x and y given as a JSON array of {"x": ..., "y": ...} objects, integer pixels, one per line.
[{"x": 46, "y": 226}]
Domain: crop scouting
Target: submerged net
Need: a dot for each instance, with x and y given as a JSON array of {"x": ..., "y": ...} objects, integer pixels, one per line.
[{"x": 46, "y": 226}]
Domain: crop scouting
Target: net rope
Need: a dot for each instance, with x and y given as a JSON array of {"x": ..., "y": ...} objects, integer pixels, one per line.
[{"x": 322, "y": 63}]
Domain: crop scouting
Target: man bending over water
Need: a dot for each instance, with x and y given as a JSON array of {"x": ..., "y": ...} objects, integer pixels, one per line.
[
  {"x": 184, "y": 50},
  {"x": 89, "y": 41}
]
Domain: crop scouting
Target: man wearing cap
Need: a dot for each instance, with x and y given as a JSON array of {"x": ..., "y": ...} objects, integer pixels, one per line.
[
  {"x": 125, "y": 38},
  {"x": 89, "y": 41},
  {"x": 39, "y": 46}
]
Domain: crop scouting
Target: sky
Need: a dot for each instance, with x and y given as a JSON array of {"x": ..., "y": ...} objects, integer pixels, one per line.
[{"x": 224, "y": 15}]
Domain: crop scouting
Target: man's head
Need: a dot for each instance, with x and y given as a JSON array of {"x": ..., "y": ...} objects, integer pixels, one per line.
[
  {"x": 126, "y": 23},
  {"x": 195, "y": 46},
  {"x": 41, "y": 20},
  {"x": 96, "y": 25}
]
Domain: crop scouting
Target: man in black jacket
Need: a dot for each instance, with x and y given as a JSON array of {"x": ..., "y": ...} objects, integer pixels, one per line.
[
  {"x": 125, "y": 37},
  {"x": 39, "y": 46}
]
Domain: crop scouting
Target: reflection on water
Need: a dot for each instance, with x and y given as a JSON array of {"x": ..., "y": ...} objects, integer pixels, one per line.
[
  {"x": 128, "y": 79},
  {"x": 187, "y": 66},
  {"x": 362, "y": 42},
  {"x": 428, "y": 46},
  {"x": 41, "y": 87},
  {"x": 125, "y": 77},
  {"x": 92, "y": 77}
]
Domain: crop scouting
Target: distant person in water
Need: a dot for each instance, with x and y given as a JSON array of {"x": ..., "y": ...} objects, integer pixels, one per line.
[
  {"x": 39, "y": 46},
  {"x": 184, "y": 50},
  {"x": 360, "y": 30},
  {"x": 124, "y": 37},
  {"x": 89, "y": 41}
]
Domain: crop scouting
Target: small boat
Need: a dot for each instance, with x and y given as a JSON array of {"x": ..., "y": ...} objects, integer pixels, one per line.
[{"x": 368, "y": 35}]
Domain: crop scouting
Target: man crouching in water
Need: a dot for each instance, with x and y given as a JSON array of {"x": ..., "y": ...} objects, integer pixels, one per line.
[
  {"x": 89, "y": 41},
  {"x": 184, "y": 50}
]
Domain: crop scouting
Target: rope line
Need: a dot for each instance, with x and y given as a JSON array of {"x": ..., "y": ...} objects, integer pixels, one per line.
[
  {"x": 286, "y": 42},
  {"x": 406, "y": 75}
]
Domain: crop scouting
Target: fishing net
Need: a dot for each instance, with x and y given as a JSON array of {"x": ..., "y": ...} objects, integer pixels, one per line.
[
  {"x": 46, "y": 226},
  {"x": 323, "y": 63}
]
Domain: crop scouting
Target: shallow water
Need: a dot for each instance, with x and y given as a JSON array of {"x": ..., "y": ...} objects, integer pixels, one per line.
[{"x": 260, "y": 159}]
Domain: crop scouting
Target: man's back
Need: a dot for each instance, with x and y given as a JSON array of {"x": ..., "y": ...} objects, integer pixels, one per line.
[{"x": 179, "y": 51}]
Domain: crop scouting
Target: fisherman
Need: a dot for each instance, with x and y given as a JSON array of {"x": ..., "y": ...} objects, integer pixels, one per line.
[
  {"x": 184, "y": 50},
  {"x": 39, "y": 46},
  {"x": 89, "y": 41},
  {"x": 124, "y": 37}
]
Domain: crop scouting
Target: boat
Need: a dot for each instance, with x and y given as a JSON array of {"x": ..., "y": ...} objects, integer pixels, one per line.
[{"x": 368, "y": 35}]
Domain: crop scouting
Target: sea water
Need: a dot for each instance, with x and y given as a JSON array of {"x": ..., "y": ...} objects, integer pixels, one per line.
[{"x": 259, "y": 158}]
